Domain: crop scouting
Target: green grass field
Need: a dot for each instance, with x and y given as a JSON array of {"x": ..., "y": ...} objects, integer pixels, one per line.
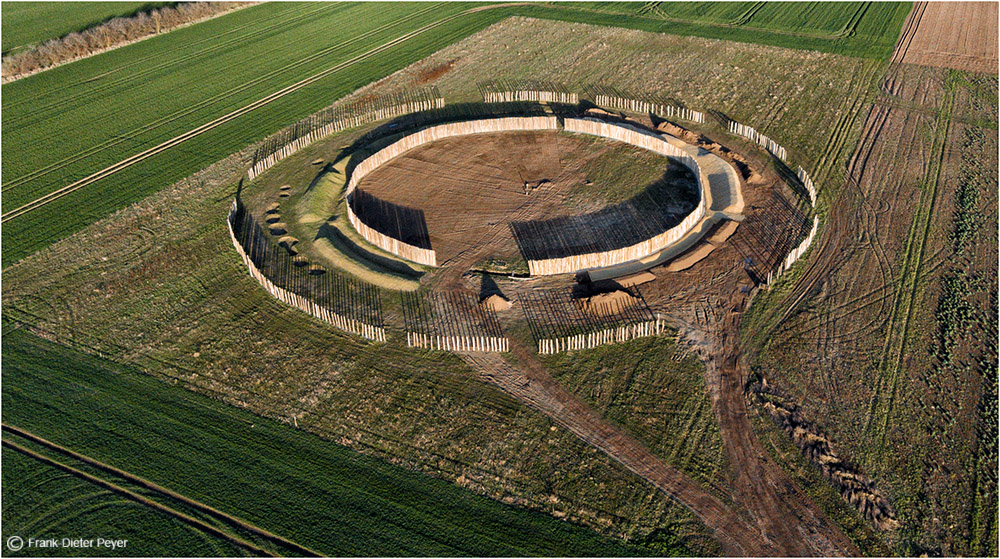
[
  {"x": 44, "y": 502},
  {"x": 294, "y": 484},
  {"x": 655, "y": 392},
  {"x": 862, "y": 29},
  {"x": 29, "y": 23}
]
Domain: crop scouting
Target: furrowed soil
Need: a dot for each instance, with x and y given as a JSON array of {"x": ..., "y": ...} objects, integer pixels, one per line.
[
  {"x": 159, "y": 286},
  {"x": 883, "y": 338},
  {"x": 958, "y": 35}
]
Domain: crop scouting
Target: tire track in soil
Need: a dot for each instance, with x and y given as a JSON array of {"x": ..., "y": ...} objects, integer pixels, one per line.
[
  {"x": 895, "y": 347},
  {"x": 530, "y": 383},
  {"x": 784, "y": 514}
]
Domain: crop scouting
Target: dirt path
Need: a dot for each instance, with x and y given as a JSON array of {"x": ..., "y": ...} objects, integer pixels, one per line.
[
  {"x": 784, "y": 514},
  {"x": 531, "y": 383}
]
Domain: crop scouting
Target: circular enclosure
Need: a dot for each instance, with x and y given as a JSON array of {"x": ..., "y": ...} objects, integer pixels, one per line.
[{"x": 543, "y": 200}]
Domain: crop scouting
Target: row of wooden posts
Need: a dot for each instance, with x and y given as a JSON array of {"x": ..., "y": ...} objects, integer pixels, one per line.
[
  {"x": 457, "y": 343},
  {"x": 640, "y": 106},
  {"x": 804, "y": 177},
  {"x": 754, "y": 136},
  {"x": 350, "y": 121},
  {"x": 591, "y": 340},
  {"x": 646, "y": 140},
  {"x": 538, "y": 96},
  {"x": 778, "y": 151},
  {"x": 795, "y": 254},
  {"x": 376, "y": 333}
]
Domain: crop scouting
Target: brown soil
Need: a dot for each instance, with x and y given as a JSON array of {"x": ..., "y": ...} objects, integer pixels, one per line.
[
  {"x": 636, "y": 279},
  {"x": 428, "y": 75},
  {"x": 607, "y": 304},
  {"x": 470, "y": 188},
  {"x": 691, "y": 257},
  {"x": 495, "y": 303},
  {"x": 959, "y": 35},
  {"x": 721, "y": 232}
]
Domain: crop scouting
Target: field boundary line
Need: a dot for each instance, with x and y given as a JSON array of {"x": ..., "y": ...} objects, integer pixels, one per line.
[
  {"x": 138, "y": 498},
  {"x": 833, "y": 37},
  {"x": 125, "y": 163},
  {"x": 236, "y": 522}
]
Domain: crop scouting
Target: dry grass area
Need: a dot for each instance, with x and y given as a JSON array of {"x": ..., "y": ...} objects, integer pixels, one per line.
[{"x": 775, "y": 90}]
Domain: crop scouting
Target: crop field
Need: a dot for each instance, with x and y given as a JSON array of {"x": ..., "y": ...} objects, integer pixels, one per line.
[
  {"x": 54, "y": 187},
  {"x": 70, "y": 505},
  {"x": 865, "y": 29},
  {"x": 28, "y": 23},
  {"x": 886, "y": 359},
  {"x": 268, "y": 473}
]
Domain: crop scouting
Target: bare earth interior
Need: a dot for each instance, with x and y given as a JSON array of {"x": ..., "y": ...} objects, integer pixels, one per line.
[{"x": 470, "y": 190}]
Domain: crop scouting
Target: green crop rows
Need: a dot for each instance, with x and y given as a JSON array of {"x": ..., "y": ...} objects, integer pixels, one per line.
[
  {"x": 862, "y": 29},
  {"x": 50, "y": 503},
  {"x": 27, "y": 23},
  {"x": 291, "y": 483}
]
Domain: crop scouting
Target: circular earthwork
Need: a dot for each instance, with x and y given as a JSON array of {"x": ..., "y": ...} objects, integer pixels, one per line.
[{"x": 529, "y": 194}]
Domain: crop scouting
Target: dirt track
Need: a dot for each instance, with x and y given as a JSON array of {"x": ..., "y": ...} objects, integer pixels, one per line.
[
  {"x": 530, "y": 383},
  {"x": 771, "y": 515}
]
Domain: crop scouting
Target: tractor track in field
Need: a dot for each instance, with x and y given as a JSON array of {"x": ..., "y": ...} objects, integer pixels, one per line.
[
  {"x": 531, "y": 384},
  {"x": 128, "y": 162},
  {"x": 902, "y": 312},
  {"x": 147, "y": 502},
  {"x": 217, "y": 43},
  {"x": 782, "y": 513},
  {"x": 146, "y": 484},
  {"x": 119, "y": 139}
]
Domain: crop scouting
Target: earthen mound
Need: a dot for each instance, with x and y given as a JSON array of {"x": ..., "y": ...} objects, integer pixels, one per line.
[
  {"x": 607, "y": 304},
  {"x": 722, "y": 231},
  {"x": 691, "y": 257},
  {"x": 495, "y": 302}
]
